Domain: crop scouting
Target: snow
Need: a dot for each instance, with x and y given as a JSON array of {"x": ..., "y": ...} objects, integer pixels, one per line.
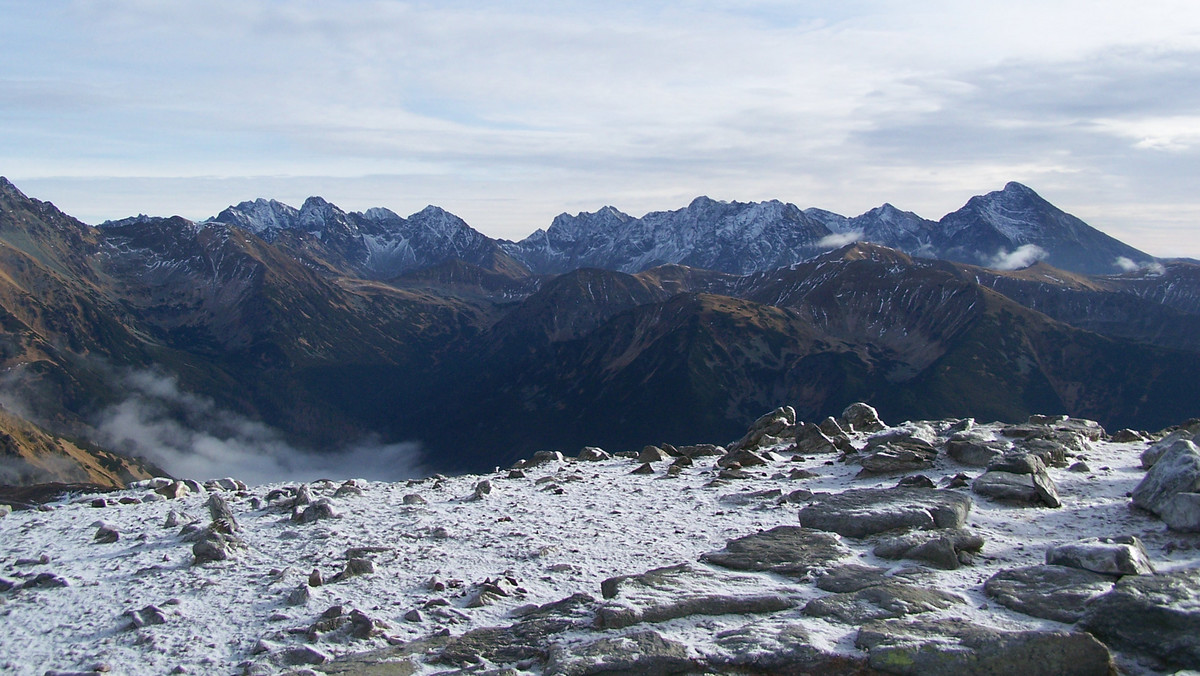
[{"x": 562, "y": 529}]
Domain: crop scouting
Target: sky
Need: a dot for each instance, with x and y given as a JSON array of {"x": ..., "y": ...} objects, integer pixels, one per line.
[{"x": 508, "y": 114}]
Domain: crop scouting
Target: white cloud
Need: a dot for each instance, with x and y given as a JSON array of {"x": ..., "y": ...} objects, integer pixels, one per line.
[
  {"x": 1024, "y": 256},
  {"x": 1129, "y": 265},
  {"x": 189, "y": 436},
  {"x": 839, "y": 239}
]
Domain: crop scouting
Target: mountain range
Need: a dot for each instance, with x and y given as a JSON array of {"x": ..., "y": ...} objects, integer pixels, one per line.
[{"x": 316, "y": 329}]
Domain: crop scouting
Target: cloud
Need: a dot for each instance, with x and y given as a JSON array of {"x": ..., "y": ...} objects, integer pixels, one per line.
[
  {"x": 840, "y": 239},
  {"x": 1129, "y": 265},
  {"x": 1024, "y": 256},
  {"x": 190, "y": 436}
]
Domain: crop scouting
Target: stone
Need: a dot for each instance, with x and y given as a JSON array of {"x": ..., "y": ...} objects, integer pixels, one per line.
[
  {"x": 768, "y": 430},
  {"x": 1155, "y": 451},
  {"x": 527, "y": 639},
  {"x": 916, "y": 481},
  {"x": 672, "y": 592},
  {"x": 297, "y": 655},
  {"x": 975, "y": 452},
  {"x": 45, "y": 581},
  {"x": 776, "y": 648},
  {"x": 544, "y": 457},
  {"x": 852, "y": 577},
  {"x": 860, "y": 417},
  {"x": 1171, "y": 488},
  {"x": 652, "y": 454},
  {"x": 214, "y": 546},
  {"x": 1113, "y": 556},
  {"x": 481, "y": 490},
  {"x": 742, "y": 458},
  {"x": 879, "y": 602},
  {"x": 1080, "y": 468},
  {"x": 414, "y": 499},
  {"x": 787, "y": 550},
  {"x": 315, "y": 579},
  {"x": 943, "y": 548},
  {"x": 861, "y": 512},
  {"x": 317, "y": 511},
  {"x": 593, "y": 454},
  {"x": 898, "y": 457},
  {"x": 1048, "y": 592},
  {"x": 1019, "y": 489},
  {"x": 644, "y": 468},
  {"x": 173, "y": 490},
  {"x": 106, "y": 534},
  {"x": 643, "y": 652},
  {"x": 1127, "y": 436},
  {"x": 1051, "y": 451},
  {"x": 811, "y": 440},
  {"x": 354, "y": 568},
  {"x": 1155, "y": 615},
  {"x": 413, "y": 615},
  {"x": 701, "y": 450},
  {"x": 149, "y": 615},
  {"x": 219, "y": 510},
  {"x": 950, "y": 647},
  {"x": 348, "y": 490}
]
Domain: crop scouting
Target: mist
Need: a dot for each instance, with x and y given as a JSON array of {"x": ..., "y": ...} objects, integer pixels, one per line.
[
  {"x": 1129, "y": 265},
  {"x": 840, "y": 239},
  {"x": 1022, "y": 257},
  {"x": 190, "y": 436}
]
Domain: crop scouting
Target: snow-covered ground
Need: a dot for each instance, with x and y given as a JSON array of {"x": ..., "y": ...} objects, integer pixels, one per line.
[{"x": 563, "y": 528}]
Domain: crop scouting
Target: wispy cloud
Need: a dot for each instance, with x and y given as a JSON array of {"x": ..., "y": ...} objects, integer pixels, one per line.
[
  {"x": 839, "y": 239},
  {"x": 1022, "y": 257}
]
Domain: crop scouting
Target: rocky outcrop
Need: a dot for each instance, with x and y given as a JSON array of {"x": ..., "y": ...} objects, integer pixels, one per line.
[
  {"x": 861, "y": 512},
  {"x": 1156, "y": 615},
  {"x": 787, "y": 550},
  {"x": 1050, "y": 592}
]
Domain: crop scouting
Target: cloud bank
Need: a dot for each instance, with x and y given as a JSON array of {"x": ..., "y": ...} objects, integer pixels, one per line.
[{"x": 189, "y": 436}]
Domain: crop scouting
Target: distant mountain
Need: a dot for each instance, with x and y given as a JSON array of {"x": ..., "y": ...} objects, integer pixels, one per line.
[
  {"x": 375, "y": 244},
  {"x": 286, "y": 317}
]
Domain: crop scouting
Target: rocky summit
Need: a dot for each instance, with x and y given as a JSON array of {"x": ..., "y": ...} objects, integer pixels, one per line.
[{"x": 775, "y": 553}]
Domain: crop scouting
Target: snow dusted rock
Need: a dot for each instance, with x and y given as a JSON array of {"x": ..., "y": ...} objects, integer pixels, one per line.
[
  {"x": 593, "y": 454},
  {"x": 173, "y": 490},
  {"x": 106, "y": 534},
  {"x": 769, "y": 430},
  {"x": 642, "y": 652},
  {"x": 644, "y": 468},
  {"x": 1050, "y": 592},
  {"x": 787, "y": 550},
  {"x": 742, "y": 458},
  {"x": 880, "y": 602},
  {"x": 861, "y": 417},
  {"x": 653, "y": 454},
  {"x": 861, "y": 512},
  {"x": 149, "y": 615},
  {"x": 219, "y": 510},
  {"x": 1171, "y": 489},
  {"x": 542, "y": 458},
  {"x": 1018, "y": 478},
  {"x": 673, "y": 592},
  {"x": 1158, "y": 448},
  {"x": 898, "y": 456},
  {"x": 527, "y": 639},
  {"x": 777, "y": 648},
  {"x": 1114, "y": 556},
  {"x": 1156, "y": 615},
  {"x": 1126, "y": 435},
  {"x": 946, "y": 548},
  {"x": 811, "y": 440},
  {"x": 851, "y": 577},
  {"x": 481, "y": 490},
  {"x": 414, "y": 499},
  {"x": 701, "y": 450},
  {"x": 975, "y": 452},
  {"x": 317, "y": 511},
  {"x": 950, "y": 647}
]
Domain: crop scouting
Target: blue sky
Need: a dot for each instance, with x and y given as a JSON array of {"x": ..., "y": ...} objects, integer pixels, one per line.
[{"x": 510, "y": 113}]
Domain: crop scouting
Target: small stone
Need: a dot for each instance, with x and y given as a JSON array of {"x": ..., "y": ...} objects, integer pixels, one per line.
[
  {"x": 106, "y": 535},
  {"x": 298, "y": 596},
  {"x": 413, "y": 615},
  {"x": 482, "y": 489},
  {"x": 315, "y": 579},
  {"x": 645, "y": 468},
  {"x": 414, "y": 499},
  {"x": 1080, "y": 468}
]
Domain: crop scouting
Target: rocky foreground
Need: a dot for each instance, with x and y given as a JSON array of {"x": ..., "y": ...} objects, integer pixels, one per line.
[{"x": 845, "y": 547}]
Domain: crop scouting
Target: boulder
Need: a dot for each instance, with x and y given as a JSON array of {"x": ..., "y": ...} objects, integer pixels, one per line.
[
  {"x": 668, "y": 593},
  {"x": 788, "y": 550},
  {"x": 1155, "y": 615},
  {"x": 852, "y": 577},
  {"x": 106, "y": 534},
  {"x": 879, "y": 602},
  {"x": 644, "y": 468},
  {"x": 1113, "y": 556},
  {"x": 593, "y": 454},
  {"x": 317, "y": 511},
  {"x": 776, "y": 648},
  {"x": 1048, "y": 592},
  {"x": 219, "y": 510},
  {"x": 861, "y": 512},
  {"x": 810, "y": 440},
  {"x": 1171, "y": 489},
  {"x": 1127, "y": 436},
  {"x": 544, "y": 457},
  {"x": 701, "y": 450},
  {"x": 743, "y": 458},
  {"x": 527, "y": 639},
  {"x": 901, "y": 456},
  {"x": 1155, "y": 451},
  {"x": 1018, "y": 478},
  {"x": 951, "y": 647},
  {"x": 860, "y": 417},
  {"x": 481, "y": 490},
  {"x": 653, "y": 454},
  {"x": 943, "y": 548},
  {"x": 643, "y": 652},
  {"x": 975, "y": 452}
]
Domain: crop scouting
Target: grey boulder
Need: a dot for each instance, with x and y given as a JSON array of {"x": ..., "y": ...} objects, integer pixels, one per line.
[
  {"x": 787, "y": 550},
  {"x": 1157, "y": 615},
  {"x": 1049, "y": 592},
  {"x": 1171, "y": 489},
  {"x": 1113, "y": 556},
  {"x": 861, "y": 512}
]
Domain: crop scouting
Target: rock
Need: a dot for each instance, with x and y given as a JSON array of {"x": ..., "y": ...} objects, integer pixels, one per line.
[
  {"x": 414, "y": 499},
  {"x": 1049, "y": 592},
  {"x": 701, "y": 450},
  {"x": 898, "y": 457},
  {"x": 320, "y": 510},
  {"x": 861, "y": 512},
  {"x": 950, "y": 647},
  {"x": 219, "y": 510},
  {"x": 1155, "y": 451},
  {"x": 751, "y": 497},
  {"x": 544, "y": 457},
  {"x": 298, "y": 596},
  {"x": 527, "y": 639},
  {"x": 173, "y": 490},
  {"x": 810, "y": 440},
  {"x": 944, "y": 548},
  {"x": 861, "y": 417},
  {"x": 852, "y": 577},
  {"x": 1127, "y": 436},
  {"x": 916, "y": 481},
  {"x": 482, "y": 490},
  {"x": 354, "y": 567},
  {"x": 879, "y": 602},
  {"x": 1018, "y": 478},
  {"x": 315, "y": 579},
  {"x": 1171, "y": 488},
  {"x": 593, "y": 454},
  {"x": 1155, "y": 615},
  {"x": 1114, "y": 556},
  {"x": 974, "y": 452},
  {"x": 106, "y": 534},
  {"x": 652, "y": 454},
  {"x": 776, "y": 648},
  {"x": 297, "y": 655},
  {"x": 1080, "y": 468},
  {"x": 643, "y": 652},
  {"x": 1052, "y": 452},
  {"x": 413, "y": 615},
  {"x": 148, "y": 615},
  {"x": 769, "y": 430},
  {"x": 669, "y": 593},
  {"x": 787, "y": 550},
  {"x": 214, "y": 546},
  {"x": 348, "y": 490},
  {"x": 742, "y": 458},
  {"x": 45, "y": 581},
  {"x": 644, "y": 468}
]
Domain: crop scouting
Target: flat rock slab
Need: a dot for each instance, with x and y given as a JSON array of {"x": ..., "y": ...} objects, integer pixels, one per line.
[
  {"x": 644, "y": 652},
  {"x": 678, "y": 591},
  {"x": 1049, "y": 592},
  {"x": 1113, "y": 556},
  {"x": 879, "y": 602},
  {"x": 898, "y": 457},
  {"x": 1019, "y": 489},
  {"x": 526, "y": 639},
  {"x": 787, "y": 550},
  {"x": 776, "y": 648},
  {"x": 946, "y": 548},
  {"x": 861, "y": 512},
  {"x": 852, "y": 577},
  {"x": 1157, "y": 615},
  {"x": 951, "y": 647}
]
